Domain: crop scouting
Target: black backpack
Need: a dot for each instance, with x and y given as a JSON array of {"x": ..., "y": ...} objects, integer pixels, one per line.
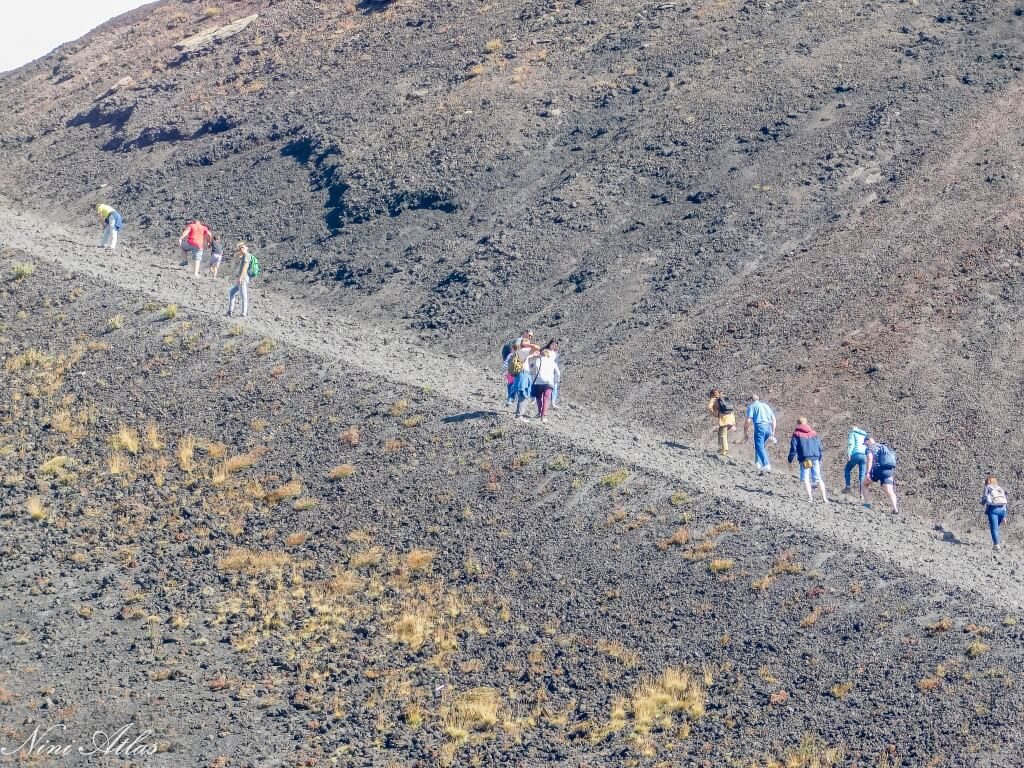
[
  {"x": 886, "y": 457},
  {"x": 506, "y": 351},
  {"x": 725, "y": 405}
]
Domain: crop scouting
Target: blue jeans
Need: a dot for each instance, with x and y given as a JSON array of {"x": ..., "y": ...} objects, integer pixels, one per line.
[
  {"x": 996, "y": 515},
  {"x": 241, "y": 287},
  {"x": 858, "y": 460},
  {"x": 761, "y": 434}
]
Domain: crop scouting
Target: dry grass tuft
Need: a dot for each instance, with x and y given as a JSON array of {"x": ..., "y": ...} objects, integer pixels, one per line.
[
  {"x": 115, "y": 323},
  {"x": 475, "y": 710},
  {"x": 350, "y": 436},
  {"x": 840, "y": 690},
  {"x": 398, "y": 408},
  {"x": 211, "y": 12},
  {"x": 250, "y": 562},
  {"x": 366, "y": 557},
  {"x": 117, "y": 463},
  {"x": 942, "y": 625},
  {"x": 22, "y": 271},
  {"x": 721, "y": 565},
  {"x": 35, "y": 508},
  {"x": 412, "y": 628},
  {"x": 413, "y": 421},
  {"x": 296, "y": 539},
  {"x": 493, "y": 46},
  {"x": 153, "y": 440},
  {"x": 614, "y": 479},
  {"x": 341, "y": 472},
  {"x": 616, "y": 650},
  {"x": 55, "y": 466},
  {"x": 289, "y": 490},
  {"x": 169, "y": 312},
  {"x": 126, "y": 439},
  {"x": 244, "y": 460},
  {"x": 420, "y": 559},
  {"x": 186, "y": 452},
  {"x": 976, "y": 648},
  {"x": 306, "y": 502},
  {"x": 265, "y": 347}
]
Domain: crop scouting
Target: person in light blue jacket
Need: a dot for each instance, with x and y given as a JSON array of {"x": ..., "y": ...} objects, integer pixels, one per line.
[
  {"x": 856, "y": 457},
  {"x": 760, "y": 418}
]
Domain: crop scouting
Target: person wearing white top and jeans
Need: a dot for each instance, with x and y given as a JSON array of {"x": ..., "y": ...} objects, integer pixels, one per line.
[{"x": 241, "y": 285}]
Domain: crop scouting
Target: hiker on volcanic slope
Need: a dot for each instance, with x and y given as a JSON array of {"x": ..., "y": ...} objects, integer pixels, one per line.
[
  {"x": 553, "y": 346},
  {"x": 241, "y": 285},
  {"x": 761, "y": 417},
  {"x": 546, "y": 377},
  {"x": 855, "y": 457},
  {"x": 881, "y": 468},
  {"x": 112, "y": 223},
  {"x": 724, "y": 412},
  {"x": 216, "y": 256},
  {"x": 994, "y": 500},
  {"x": 516, "y": 369},
  {"x": 193, "y": 242},
  {"x": 805, "y": 446}
]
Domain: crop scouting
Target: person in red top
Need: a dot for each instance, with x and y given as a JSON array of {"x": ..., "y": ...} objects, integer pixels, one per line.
[{"x": 193, "y": 242}]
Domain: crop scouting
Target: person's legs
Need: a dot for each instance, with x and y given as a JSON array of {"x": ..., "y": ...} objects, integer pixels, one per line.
[
  {"x": 819, "y": 481},
  {"x": 244, "y": 285},
  {"x": 761, "y": 433},
  {"x": 993, "y": 524},
  {"x": 197, "y": 260},
  {"x": 522, "y": 393},
  {"x": 805, "y": 479},
  {"x": 113, "y": 238},
  {"x": 231, "y": 299},
  {"x": 889, "y": 486},
  {"x": 847, "y": 471},
  {"x": 554, "y": 396},
  {"x": 723, "y": 441},
  {"x": 544, "y": 402},
  {"x": 510, "y": 391}
]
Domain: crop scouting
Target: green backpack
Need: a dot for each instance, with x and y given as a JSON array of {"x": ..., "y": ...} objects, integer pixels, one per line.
[{"x": 254, "y": 265}]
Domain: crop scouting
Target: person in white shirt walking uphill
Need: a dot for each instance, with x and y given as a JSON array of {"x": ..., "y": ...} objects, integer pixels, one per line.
[
  {"x": 246, "y": 269},
  {"x": 547, "y": 375}
]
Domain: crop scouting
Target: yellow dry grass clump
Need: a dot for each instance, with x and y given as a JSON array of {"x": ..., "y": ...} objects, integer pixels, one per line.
[
  {"x": 341, "y": 471},
  {"x": 186, "y": 452},
  {"x": 289, "y": 490},
  {"x": 126, "y": 439},
  {"x": 250, "y": 562},
  {"x": 475, "y": 710}
]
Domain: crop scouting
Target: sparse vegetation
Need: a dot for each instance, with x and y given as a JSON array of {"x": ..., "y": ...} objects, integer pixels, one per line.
[
  {"x": 976, "y": 648},
  {"x": 211, "y": 12},
  {"x": 351, "y": 436},
  {"x": 35, "y": 508},
  {"x": 288, "y": 490},
  {"x": 265, "y": 347},
  {"x": 126, "y": 439},
  {"x": 614, "y": 479},
  {"x": 398, "y": 408},
  {"x": 22, "y": 271},
  {"x": 115, "y": 323},
  {"x": 341, "y": 472},
  {"x": 186, "y": 452},
  {"x": 169, "y": 312}
]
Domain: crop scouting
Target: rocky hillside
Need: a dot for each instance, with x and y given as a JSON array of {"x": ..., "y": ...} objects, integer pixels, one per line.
[
  {"x": 260, "y": 560},
  {"x": 817, "y": 200}
]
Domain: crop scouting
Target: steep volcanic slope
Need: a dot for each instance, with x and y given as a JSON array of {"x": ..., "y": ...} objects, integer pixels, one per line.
[
  {"x": 813, "y": 199},
  {"x": 266, "y": 562}
]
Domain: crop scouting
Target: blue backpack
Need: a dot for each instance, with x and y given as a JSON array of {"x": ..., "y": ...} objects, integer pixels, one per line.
[{"x": 886, "y": 457}]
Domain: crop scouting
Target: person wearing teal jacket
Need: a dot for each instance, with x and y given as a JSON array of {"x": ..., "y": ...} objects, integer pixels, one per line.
[{"x": 856, "y": 457}]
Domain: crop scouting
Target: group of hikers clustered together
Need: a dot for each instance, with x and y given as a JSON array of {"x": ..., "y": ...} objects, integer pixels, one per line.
[
  {"x": 874, "y": 460},
  {"x": 532, "y": 373},
  {"x": 195, "y": 242}
]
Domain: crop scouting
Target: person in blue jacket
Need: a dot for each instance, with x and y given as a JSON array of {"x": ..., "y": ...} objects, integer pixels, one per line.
[
  {"x": 856, "y": 457},
  {"x": 805, "y": 447}
]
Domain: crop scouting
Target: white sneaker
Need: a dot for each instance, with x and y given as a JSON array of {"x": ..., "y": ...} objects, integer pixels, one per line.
[{"x": 544, "y": 420}]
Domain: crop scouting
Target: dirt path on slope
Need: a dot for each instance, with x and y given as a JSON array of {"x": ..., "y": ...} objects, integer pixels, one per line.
[{"x": 965, "y": 563}]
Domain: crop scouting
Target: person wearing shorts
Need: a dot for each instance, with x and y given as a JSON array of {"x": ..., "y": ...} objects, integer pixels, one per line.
[
  {"x": 805, "y": 446},
  {"x": 193, "y": 241},
  {"x": 877, "y": 473},
  {"x": 216, "y": 256}
]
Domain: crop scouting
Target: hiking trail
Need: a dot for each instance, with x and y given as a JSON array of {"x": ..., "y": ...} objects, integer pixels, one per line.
[{"x": 949, "y": 560}]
